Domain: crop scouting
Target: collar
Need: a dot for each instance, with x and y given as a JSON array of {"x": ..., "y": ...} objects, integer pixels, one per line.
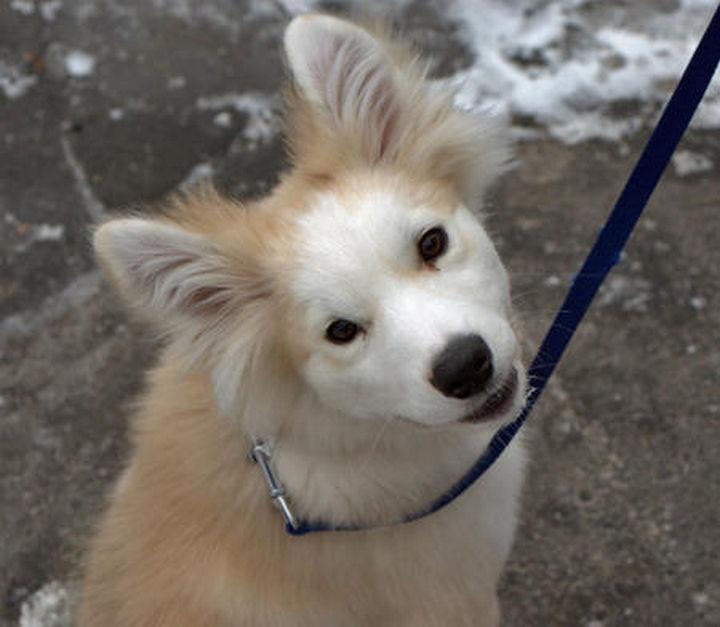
[{"x": 261, "y": 451}]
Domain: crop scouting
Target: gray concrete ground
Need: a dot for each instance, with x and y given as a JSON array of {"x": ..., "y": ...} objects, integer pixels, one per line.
[{"x": 621, "y": 514}]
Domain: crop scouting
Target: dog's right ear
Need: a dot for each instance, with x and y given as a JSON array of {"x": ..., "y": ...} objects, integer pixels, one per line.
[
  {"x": 172, "y": 273},
  {"x": 365, "y": 96}
]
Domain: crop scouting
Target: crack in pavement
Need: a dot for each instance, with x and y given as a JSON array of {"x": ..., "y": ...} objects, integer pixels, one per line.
[{"x": 94, "y": 208}]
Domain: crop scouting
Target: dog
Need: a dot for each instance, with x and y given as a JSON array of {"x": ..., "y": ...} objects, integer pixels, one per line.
[{"x": 358, "y": 321}]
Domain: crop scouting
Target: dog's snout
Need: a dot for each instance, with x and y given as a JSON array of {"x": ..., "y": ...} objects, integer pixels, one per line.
[{"x": 463, "y": 368}]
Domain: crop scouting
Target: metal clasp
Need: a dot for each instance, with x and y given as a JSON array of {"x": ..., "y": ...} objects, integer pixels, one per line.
[{"x": 261, "y": 453}]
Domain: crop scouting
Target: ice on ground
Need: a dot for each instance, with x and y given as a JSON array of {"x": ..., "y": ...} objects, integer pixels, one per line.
[
  {"x": 79, "y": 64},
  {"x": 14, "y": 83},
  {"x": 50, "y": 606},
  {"x": 687, "y": 162},
  {"x": 261, "y": 110}
]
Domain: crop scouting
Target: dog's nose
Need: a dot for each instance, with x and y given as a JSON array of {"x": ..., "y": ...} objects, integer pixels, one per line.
[{"x": 463, "y": 368}]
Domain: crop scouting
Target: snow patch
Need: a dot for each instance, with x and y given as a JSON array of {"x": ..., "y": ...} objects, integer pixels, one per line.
[
  {"x": 698, "y": 303},
  {"x": 116, "y": 114},
  {"x": 553, "y": 281},
  {"x": 223, "y": 120},
  {"x": 581, "y": 75},
  {"x": 26, "y": 7},
  {"x": 14, "y": 83},
  {"x": 49, "y": 10},
  {"x": 261, "y": 109},
  {"x": 79, "y": 64},
  {"x": 686, "y": 162},
  {"x": 48, "y": 232},
  {"x": 50, "y": 606}
]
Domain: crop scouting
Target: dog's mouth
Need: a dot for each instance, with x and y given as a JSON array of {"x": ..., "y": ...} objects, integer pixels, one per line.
[{"x": 497, "y": 403}]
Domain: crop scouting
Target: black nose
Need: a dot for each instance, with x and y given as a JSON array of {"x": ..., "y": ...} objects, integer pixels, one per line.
[{"x": 463, "y": 368}]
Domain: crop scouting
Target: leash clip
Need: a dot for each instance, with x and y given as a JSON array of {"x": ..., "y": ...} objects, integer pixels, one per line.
[{"x": 261, "y": 454}]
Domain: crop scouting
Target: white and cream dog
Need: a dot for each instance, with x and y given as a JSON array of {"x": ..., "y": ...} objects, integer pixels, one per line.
[{"x": 358, "y": 319}]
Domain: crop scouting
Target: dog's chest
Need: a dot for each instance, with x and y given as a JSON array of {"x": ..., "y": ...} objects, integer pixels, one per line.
[{"x": 422, "y": 573}]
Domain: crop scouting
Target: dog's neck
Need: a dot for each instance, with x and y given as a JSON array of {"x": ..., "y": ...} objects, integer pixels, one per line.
[{"x": 349, "y": 471}]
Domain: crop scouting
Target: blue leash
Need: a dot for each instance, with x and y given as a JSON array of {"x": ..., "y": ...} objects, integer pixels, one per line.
[{"x": 604, "y": 255}]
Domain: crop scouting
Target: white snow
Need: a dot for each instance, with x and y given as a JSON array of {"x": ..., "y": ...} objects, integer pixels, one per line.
[
  {"x": 261, "y": 109},
  {"x": 687, "y": 162},
  {"x": 14, "y": 83},
  {"x": 698, "y": 302},
  {"x": 49, "y": 9},
  {"x": 553, "y": 281},
  {"x": 48, "y": 607},
  {"x": 48, "y": 232},
  {"x": 79, "y": 64},
  {"x": 223, "y": 119},
  {"x": 564, "y": 68},
  {"x": 26, "y": 7},
  {"x": 116, "y": 114}
]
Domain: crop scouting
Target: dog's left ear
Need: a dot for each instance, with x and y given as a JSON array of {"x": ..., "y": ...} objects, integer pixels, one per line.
[{"x": 345, "y": 73}]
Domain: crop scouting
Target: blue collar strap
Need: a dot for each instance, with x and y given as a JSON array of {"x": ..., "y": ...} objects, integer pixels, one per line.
[{"x": 604, "y": 254}]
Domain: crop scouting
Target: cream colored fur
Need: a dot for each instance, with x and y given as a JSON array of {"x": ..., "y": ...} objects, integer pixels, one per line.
[{"x": 243, "y": 294}]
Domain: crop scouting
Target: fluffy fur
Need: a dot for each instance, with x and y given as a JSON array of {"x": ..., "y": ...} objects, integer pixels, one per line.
[{"x": 244, "y": 295}]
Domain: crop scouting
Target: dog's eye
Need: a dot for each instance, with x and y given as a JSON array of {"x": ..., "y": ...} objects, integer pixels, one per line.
[
  {"x": 433, "y": 243},
  {"x": 342, "y": 331}
]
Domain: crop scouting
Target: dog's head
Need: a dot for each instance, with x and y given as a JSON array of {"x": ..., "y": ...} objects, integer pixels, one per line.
[{"x": 365, "y": 282}]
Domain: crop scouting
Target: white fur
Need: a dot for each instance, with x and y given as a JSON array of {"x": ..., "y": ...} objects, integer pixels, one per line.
[{"x": 361, "y": 264}]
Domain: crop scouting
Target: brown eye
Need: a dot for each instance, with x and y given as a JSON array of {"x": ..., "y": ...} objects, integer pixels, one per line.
[
  {"x": 433, "y": 243},
  {"x": 342, "y": 331}
]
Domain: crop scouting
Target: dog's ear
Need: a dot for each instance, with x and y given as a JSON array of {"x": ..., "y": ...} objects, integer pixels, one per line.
[
  {"x": 368, "y": 98},
  {"x": 172, "y": 273},
  {"x": 345, "y": 73}
]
